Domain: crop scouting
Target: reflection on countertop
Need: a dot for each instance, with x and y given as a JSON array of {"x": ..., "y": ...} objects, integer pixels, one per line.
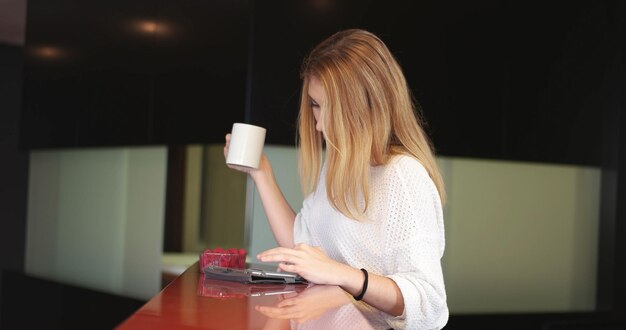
[
  {"x": 192, "y": 301},
  {"x": 322, "y": 307}
]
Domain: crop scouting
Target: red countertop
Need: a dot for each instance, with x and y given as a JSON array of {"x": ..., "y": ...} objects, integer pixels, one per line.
[{"x": 194, "y": 302}]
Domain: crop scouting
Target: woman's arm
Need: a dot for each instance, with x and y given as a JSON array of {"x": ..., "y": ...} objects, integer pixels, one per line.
[
  {"x": 279, "y": 213},
  {"x": 313, "y": 264},
  {"x": 382, "y": 292}
]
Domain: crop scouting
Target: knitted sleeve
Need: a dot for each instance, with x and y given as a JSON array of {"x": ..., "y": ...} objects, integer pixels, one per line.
[{"x": 415, "y": 234}]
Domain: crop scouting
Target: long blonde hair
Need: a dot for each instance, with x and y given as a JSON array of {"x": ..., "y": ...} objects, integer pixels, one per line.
[{"x": 369, "y": 116}]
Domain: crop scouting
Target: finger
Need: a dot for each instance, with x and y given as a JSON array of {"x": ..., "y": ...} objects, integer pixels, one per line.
[
  {"x": 267, "y": 311},
  {"x": 287, "y": 302},
  {"x": 290, "y": 295},
  {"x": 281, "y": 258},
  {"x": 239, "y": 168},
  {"x": 227, "y": 144},
  {"x": 288, "y": 267},
  {"x": 276, "y": 313},
  {"x": 287, "y": 312},
  {"x": 280, "y": 250}
]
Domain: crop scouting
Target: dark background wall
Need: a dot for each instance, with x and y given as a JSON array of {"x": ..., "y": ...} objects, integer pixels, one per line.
[
  {"x": 112, "y": 73},
  {"x": 13, "y": 164},
  {"x": 517, "y": 80}
]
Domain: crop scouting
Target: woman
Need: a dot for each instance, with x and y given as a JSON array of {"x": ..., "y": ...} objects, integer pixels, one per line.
[{"x": 372, "y": 220}]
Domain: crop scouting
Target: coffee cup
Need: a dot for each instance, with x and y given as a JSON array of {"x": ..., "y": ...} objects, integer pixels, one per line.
[{"x": 246, "y": 145}]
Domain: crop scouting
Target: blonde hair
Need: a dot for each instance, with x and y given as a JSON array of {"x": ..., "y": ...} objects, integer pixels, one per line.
[{"x": 369, "y": 116}]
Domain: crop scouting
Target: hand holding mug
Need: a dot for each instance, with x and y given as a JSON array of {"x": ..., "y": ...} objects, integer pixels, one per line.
[{"x": 244, "y": 147}]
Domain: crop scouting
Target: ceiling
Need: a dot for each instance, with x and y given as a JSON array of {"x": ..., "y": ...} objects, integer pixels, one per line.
[{"x": 12, "y": 22}]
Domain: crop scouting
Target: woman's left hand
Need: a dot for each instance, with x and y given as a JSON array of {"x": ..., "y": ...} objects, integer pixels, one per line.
[{"x": 309, "y": 262}]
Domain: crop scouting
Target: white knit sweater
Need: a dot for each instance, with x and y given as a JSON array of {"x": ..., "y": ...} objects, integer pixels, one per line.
[{"x": 403, "y": 238}]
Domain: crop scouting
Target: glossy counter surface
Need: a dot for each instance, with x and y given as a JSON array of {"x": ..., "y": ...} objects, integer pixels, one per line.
[{"x": 193, "y": 302}]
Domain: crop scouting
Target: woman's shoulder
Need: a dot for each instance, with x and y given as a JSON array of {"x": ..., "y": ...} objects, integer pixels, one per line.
[
  {"x": 405, "y": 164},
  {"x": 401, "y": 170},
  {"x": 410, "y": 175}
]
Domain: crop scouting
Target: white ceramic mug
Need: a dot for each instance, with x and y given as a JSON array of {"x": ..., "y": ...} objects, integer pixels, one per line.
[{"x": 246, "y": 145}]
